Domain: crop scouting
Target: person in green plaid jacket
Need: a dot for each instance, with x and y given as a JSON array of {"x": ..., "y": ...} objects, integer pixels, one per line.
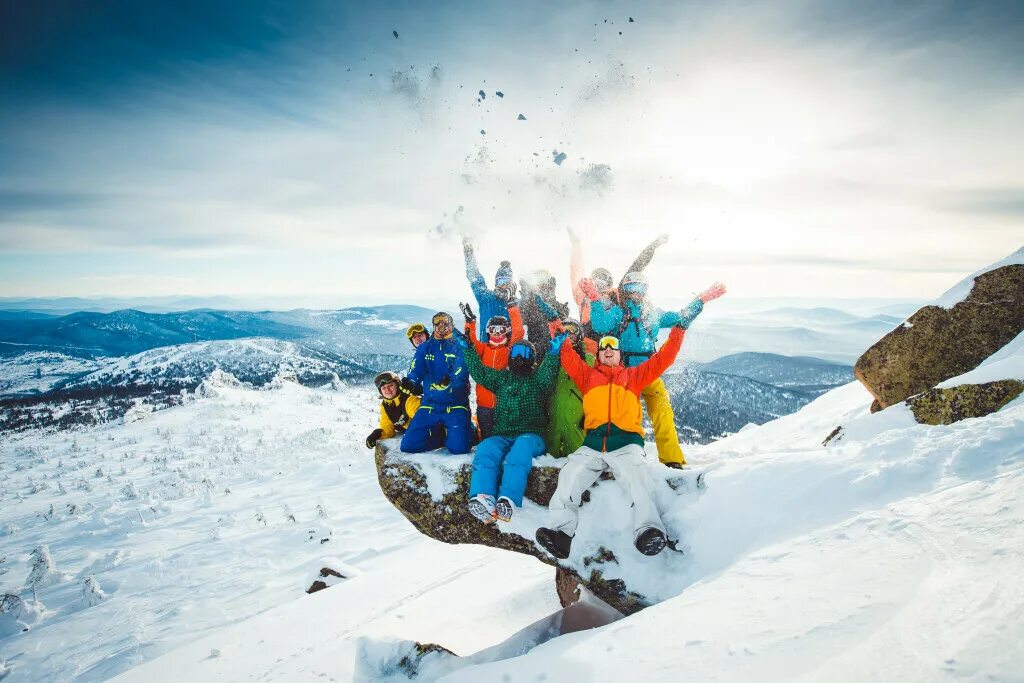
[{"x": 503, "y": 460}]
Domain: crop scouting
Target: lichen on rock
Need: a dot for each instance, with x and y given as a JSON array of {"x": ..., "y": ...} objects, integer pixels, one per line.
[
  {"x": 952, "y": 404},
  {"x": 937, "y": 343}
]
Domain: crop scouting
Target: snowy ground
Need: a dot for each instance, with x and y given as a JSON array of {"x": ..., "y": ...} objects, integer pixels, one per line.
[{"x": 893, "y": 554}]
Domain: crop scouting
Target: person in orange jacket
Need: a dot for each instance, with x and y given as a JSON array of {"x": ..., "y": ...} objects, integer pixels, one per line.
[
  {"x": 614, "y": 440},
  {"x": 502, "y": 333}
]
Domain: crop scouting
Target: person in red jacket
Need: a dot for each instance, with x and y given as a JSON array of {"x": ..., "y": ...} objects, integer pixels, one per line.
[
  {"x": 614, "y": 440},
  {"x": 502, "y": 333}
]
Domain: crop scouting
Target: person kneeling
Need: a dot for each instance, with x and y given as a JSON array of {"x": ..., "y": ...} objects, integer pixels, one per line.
[
  {"x": 398, "y": 403},
  {"x": 520, "y": 417},
  {"x": 614, "y": 441}
]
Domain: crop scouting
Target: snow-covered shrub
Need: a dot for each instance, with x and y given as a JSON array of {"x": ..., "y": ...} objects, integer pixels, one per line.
[
  {"x": 16, "y": 615},
  {"x": 92, "y": 594}
]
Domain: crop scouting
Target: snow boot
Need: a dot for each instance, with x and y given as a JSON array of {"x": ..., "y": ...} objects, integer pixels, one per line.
[
  {"x": 650, "y": 541},
  {"x": 504, "y": 508},
  {"x": 481, "y": 506},
  {"x": 556, "y": 542}
]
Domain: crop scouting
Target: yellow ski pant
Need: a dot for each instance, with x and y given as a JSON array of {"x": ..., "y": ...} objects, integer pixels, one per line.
[{"x": 659, "y": 408}]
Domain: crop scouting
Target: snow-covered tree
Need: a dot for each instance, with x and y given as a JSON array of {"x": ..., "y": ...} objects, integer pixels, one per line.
[
  {"x": 92, "y": 594},
  {"x": 42, "y": 570}
]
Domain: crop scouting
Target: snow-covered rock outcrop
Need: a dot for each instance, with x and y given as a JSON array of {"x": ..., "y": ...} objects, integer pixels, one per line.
[
  {"x": 431, "y": 490},
  {"x": 971, "y": 322}
]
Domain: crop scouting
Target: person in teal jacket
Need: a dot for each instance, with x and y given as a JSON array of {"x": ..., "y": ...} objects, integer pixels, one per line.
[{"x": 490, "y": 303}]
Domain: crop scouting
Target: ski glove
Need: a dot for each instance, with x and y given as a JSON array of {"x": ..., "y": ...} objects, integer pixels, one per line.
[
  {"x": 589, "y": 289},
  {"x": 556, "y": 342},
  {"x": 374, "y": 437},
  {"x": 550, "y": 313},
  {"x": 508, "y": 295},
  {"x": 410, "y": 387},
  {"x": 467, "y": 312},
  {"x": 690, "y": 313}
]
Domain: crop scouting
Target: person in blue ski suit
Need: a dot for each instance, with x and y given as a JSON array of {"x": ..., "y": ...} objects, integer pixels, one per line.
[
  {"x": 440, "y": 369},
  {"x": 490, "y": 303}
]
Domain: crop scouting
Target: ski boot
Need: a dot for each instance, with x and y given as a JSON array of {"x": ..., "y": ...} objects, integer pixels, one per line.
[
  {"x": 504, "y": 508},
  {"x": 481, "y": 506}
]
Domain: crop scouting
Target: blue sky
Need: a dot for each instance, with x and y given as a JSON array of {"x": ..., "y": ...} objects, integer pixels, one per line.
[{"x": 842, "y": 149}]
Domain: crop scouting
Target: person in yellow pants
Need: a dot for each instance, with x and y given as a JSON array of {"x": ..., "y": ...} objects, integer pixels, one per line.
[{"x": 636, "y": 323}]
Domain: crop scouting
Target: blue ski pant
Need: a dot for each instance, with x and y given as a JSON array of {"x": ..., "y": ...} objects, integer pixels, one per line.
[
  {"x": 506, "y": 460},
  {"x": 423, "y": 431}
]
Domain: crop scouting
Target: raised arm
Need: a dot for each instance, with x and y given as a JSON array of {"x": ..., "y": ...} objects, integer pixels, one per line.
[
  {"x": 645, "y": 256},
  {"x": 662, "y": 360},
  {"x": 489, "y": 378},
  {"x": 574, "y": 365},
  {"x": 515, "y": 319},
  {"x": 476, "y": 279},
  {"x": 547, "y": 373},
  {"x": 576, "y": 267}
]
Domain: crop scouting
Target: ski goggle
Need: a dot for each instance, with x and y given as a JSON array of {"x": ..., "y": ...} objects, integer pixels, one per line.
[
  {"x": 418, "y": 328},
  {"x": 497, "y": 330},
  {"x": 608, "y": 343},
  {"x": 502, "y": 281},
  {"x": 521, "y": 351},
  {"x": 634, "y": 288},
  {"x": 571, "y": 329},
  {"x": 442, "y": 321},
  {"x": 382, "y": 381}
]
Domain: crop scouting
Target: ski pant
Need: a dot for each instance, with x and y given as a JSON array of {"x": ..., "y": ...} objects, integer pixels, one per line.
[
  {"x": 422, "y": 433},
  {"x": 584, "y": 467},
  {"x": 659, "y": 408},
  {"x": 504, "y": 459},
  {"x": 485, "y": 420}
]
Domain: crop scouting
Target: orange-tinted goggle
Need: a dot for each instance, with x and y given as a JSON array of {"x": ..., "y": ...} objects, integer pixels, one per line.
[{"x": 608, "y": 343}]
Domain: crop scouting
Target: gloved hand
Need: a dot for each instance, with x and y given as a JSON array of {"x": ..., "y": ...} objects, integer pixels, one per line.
[
  {"x": 467, "y": 312},
  {"x": 467, "y": 245},
  {"x": 690, "y": 313},
  {"x": 550, "y": 313},
  {"x": 508, "y": 295},
  {"x": 374, "y": 437},
  {"x": 445, "y": 381},
  {"x": 673, "y": 465},
  {"x": 556, "y": 343},
  {"x": 573, "y": 237},
  {"x": 410, "y": 387},
  {"x": 661, "y": 239}
]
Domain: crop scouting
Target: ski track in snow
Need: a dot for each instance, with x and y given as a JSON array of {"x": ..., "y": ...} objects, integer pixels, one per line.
[{"x": 893, "y": 553}]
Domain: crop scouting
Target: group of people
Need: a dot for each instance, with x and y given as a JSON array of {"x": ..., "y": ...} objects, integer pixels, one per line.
[{"x": 546, "y": 382}]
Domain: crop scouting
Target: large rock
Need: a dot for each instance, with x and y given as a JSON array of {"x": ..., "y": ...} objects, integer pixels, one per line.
[
  {"x": 431, "y": 490},
  {"x": 938, "y": 343},
  {"x": 952, "y": 404}
]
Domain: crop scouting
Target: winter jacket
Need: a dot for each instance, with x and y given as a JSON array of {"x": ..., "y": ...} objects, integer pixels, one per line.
[
  {"x": 494, "y": 356},
  {"x": 488, "y": 303},
  {"x": 576, "y": 275},
  {"x": 395, "y": 413},
  {"x": 521, "y": 402},
  {"x": 635, "y": 324},
  {"x": 536, "y": 320},
  {"x": 612, "y": 415},
  {"x": 565, "y": 414},
  {"x": 437, "y": 359}
]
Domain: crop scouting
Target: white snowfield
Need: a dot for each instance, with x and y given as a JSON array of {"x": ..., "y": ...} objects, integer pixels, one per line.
[{"x": 895, "y": 553}]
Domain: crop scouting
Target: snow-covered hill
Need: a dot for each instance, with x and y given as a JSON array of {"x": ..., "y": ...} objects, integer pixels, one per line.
[{"x": 893, "y": 554}]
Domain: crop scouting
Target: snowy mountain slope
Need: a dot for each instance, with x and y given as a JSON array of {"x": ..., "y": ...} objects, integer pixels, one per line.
[
  {"x": 36, "y": 372},
  {"x": 893, "y": 555},
  {"x": 184, "y": 520},
  {"x": 783, "y": 371},
  {"x": 960, "y": 290}
]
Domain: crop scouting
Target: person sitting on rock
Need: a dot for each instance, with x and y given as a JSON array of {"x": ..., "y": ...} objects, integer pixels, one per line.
[
  {"x": 490, "y": 302},
  {"x": 614, "y": 439},
  {"x": 503, "y": 460},
  {"x": 565, "y": 409},
  {"x": 439, "y": 369},
  {"x": 636, "y": 322},
  {"x": 502, "y": 334},
  {"x": 398, "y": 404}
]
